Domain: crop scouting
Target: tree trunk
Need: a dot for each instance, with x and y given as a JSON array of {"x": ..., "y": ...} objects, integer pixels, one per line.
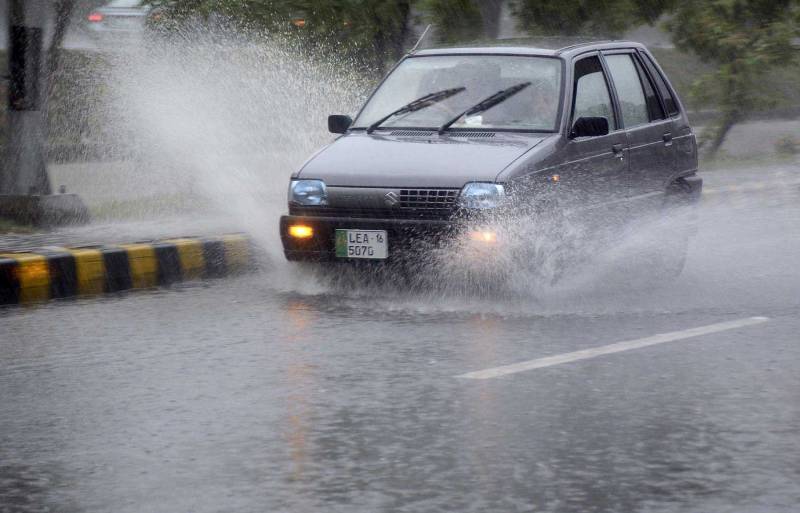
[
  {"x": 731, "y": 106},
  {"x": 63, "y": 9},
  {"x": 398, "y": 45},
  {"x": 25, "y": 170},
  {"x": 490, "y": 12},
  {"x": 728, "y": 120}
]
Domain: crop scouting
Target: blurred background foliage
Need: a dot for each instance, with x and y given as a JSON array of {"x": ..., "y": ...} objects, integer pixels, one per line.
[
  {"x": 747, "y": 45},
  {"x": 730, "y": 60},
  {"x": 744, "y": 47},
  {"x": 372, "y": 31},
  {"x": 599, "y": 18},
  {"x": 746, "y": 41}
]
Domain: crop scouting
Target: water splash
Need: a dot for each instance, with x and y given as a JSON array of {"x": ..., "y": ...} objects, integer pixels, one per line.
[
  {"x": 226, "y": 117},
  {"x": 743, "y": 254}
]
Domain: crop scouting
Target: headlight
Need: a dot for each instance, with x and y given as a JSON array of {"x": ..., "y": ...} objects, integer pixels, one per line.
[
  {"x": 308, "y": 192},
  {"x": 481, "y": 195}
]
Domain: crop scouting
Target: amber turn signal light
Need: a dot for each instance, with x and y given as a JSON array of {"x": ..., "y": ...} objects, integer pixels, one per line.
[{"x": 301, "y": 231}]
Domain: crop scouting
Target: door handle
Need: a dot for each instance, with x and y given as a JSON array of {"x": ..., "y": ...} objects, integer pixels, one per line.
[
  {"x": 618, "y": 151},
  {"x": 667, "y": 138}
]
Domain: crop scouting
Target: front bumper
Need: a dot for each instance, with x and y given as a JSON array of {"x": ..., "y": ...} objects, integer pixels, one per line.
[{"x": 406, "y": 236}]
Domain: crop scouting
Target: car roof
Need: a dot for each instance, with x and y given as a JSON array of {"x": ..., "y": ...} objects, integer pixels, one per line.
[{"x": 567, "y": 51}]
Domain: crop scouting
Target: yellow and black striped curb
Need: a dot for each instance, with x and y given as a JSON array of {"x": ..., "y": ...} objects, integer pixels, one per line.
[{"x": 90, "y": 270}]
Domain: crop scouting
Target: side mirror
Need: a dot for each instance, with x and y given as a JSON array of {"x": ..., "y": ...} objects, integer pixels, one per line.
[
  {"x": 589, "y": 127},
  {"x": 339, "y": 123}
]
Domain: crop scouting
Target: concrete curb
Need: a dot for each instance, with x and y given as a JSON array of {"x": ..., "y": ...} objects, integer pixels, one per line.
[{"x": 56, "y": 272}]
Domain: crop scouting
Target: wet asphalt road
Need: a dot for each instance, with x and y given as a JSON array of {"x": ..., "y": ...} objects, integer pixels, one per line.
[{"x": 276, "y": 392}]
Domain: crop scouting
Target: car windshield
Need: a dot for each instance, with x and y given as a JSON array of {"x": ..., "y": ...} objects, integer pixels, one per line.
[{"x": 535, "y": 108}]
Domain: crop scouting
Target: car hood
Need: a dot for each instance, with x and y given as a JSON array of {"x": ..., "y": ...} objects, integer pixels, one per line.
[{"x": 378, "y": 160}]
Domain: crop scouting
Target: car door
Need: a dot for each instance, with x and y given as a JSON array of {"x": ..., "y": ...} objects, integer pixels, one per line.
[
  {"x": 651, "y": 152},
  {"x": 683, "y": 138},
  {"x": 594, "y": 169}
]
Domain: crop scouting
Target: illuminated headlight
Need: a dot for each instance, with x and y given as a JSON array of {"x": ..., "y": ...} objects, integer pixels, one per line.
[
  {"x": 481, "y": 196},
  {"x": 308, "y": 192}
]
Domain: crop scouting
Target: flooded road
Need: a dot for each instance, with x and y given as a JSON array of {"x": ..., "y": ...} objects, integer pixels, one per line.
[
  {"x": 276, "y": 392},
  {"x": 281, "y": 392}
]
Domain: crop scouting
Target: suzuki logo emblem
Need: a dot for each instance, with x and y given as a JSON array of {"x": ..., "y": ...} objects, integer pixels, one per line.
[{"x": 391, "y": 199}]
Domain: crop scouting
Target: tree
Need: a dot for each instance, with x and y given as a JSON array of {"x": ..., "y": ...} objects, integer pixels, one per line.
[
  {"x": 592, "y": 18},
  {"x": 373, "y": 31},
  {"x": 369, "y": 31},
  {"x": 454, "y": 20},
  {"x": 745, "y": 38},
  {"x": 490, "y": 12},
  {"x": 63, "y": 10}
]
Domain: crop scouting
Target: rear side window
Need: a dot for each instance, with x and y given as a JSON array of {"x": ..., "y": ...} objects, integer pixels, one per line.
[
  {"x": 631, "y": 97},
  {"x": 591, "y": 92},
  {"x": 661, "y": 85},
  {"x": 654, "y": 109}
]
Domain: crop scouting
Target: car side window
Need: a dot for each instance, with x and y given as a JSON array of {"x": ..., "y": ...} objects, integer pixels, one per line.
[
  {"x": 592, "y": 98},
  {"x": 654, "y": 109},
  {"x": 629, "y": 89},
  {"x": 661, "y": 85}
]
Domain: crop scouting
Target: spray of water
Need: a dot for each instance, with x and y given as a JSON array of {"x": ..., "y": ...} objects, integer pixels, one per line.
[{"x": 226, "y": 118}]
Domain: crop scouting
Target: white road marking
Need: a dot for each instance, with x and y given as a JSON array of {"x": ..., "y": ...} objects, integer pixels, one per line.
[{"x": 661, "y": 338}]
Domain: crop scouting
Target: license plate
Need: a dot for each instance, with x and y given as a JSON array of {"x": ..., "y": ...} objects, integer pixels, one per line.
[{"x": 362, "y": 244}]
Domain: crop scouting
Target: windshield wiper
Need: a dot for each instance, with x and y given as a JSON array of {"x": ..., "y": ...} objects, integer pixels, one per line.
[
  {"x": 418, "y": 104},
  {"x": 487, "y": 103}
]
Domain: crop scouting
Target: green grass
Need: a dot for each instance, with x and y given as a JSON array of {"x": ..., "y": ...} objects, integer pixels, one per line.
[
  {"x": 7, "y": 226},
  {"x": 140, "y": 208}
]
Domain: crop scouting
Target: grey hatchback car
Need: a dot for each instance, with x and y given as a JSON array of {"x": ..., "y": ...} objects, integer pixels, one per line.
[{"x": 451, "y": 137}]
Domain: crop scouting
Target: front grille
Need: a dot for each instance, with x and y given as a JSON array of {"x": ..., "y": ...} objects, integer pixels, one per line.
[
  {"x": 376, "y": 204},
  {"x": 428, "y": 198}
]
